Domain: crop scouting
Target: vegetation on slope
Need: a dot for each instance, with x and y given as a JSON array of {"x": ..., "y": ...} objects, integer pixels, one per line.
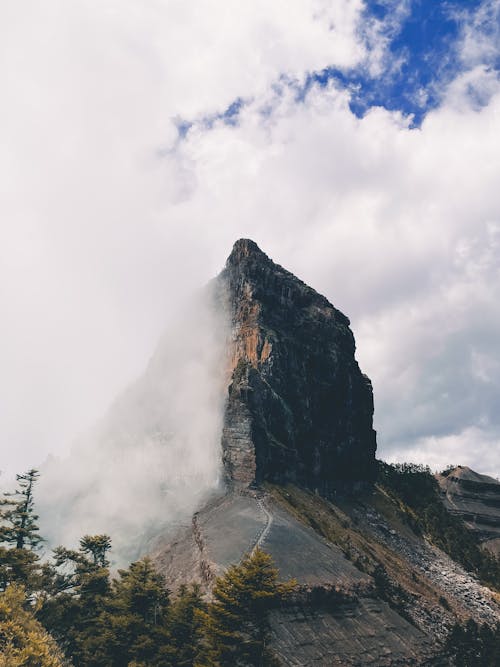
[
  {"x": 416, "y": 492},
  {"x": 473, "y": 645},
  {"x": 395, "y": 579},
  {"x": 71, "y": 608},
  {"x": 130, "y": 619},
  {"x": 236, "y": 622},
  {"x": 23, "y": 640}
]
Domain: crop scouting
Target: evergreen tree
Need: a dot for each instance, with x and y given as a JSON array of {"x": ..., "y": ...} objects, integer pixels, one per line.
[
  {"x": 128, "y": 621},
  {"x": 18, "y": 565},
  {"x": 133, "y": 628},
  {"x": 96, "y": 546},
  {"x": 185, "y": 627},
  {"x": 236, "y": 623},
  {"x": 23, "y": 641},
  {"x": 19, "y": 537},
  {"x": 77, "y": 593},
  {"x": 21, "y": 529}
]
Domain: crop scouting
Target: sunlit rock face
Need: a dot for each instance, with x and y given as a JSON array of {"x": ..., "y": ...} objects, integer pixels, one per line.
[{"x": 298, "y": 408}]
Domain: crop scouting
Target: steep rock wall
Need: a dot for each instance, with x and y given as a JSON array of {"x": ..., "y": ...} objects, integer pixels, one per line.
[{"x": 298, "y": 409}]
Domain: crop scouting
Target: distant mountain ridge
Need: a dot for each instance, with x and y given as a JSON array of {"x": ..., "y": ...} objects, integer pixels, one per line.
[{"x": 475, "y": 498}]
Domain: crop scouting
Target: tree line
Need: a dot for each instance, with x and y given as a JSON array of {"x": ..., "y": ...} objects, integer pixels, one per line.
[{"x": 69, "y": 610}]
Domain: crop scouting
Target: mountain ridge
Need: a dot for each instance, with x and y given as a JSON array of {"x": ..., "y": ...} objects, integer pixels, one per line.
[
  {"x": 371, "y": 590},
  {"x": 475, "y": 498}
]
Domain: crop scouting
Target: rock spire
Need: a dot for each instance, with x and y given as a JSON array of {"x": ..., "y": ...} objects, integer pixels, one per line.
[{"x": 298, "y": 407}]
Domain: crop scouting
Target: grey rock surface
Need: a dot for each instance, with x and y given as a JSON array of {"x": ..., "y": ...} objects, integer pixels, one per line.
[
  {"x": 445, "y": 576},
  {"x": 362, "y": 632},
  {"x": 475, "y": 498},
  {"x": 335, "y": 619},
  {"x": 233, "y": 525}
]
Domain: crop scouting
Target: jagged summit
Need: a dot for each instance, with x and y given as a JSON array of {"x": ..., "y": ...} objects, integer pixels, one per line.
[
  {"x": 248, "y": 261},
  {"x": 299, "y": 409},
  {"x": 244, "y": 248}
]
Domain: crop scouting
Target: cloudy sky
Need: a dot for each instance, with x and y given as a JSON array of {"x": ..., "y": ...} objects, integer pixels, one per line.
[{"x": 357, "y": 142}]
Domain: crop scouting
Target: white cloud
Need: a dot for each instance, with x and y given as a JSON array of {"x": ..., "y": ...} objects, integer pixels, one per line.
[
  {"x": 109, "y": 221},
  {"x": 480, "y": 37},
  {"x": 398, "y": 226},
  {"x": 89, "y": 273},
  {"x": 379, "y": 34}
]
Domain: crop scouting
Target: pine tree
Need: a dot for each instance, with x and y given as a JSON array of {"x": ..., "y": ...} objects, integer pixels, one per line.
[
  {"x": 103, "y": 623},
  {"x": 22, "y": 530},
  {"x": 19, "y": 537},
  {"x": 185, "y": 626},
  {"x": 133, "y": 628},
  {"x": 236, "y": 623},
  {"x": 78, "y": 592}
]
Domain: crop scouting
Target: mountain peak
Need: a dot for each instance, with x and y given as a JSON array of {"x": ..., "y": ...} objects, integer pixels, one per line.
[
  {"x": 244, "y": 248},
  {"x": 298, "y": 409}
]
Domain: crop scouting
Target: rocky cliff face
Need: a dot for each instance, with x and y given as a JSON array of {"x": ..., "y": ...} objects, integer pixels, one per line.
[
  {"x": 475, "y": 499},
  {"x": 298, "y": 408}
]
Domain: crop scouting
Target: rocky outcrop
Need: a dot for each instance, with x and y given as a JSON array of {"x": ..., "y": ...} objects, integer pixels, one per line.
[
  {"x": 298, "y": 416},
  {"x": 298, "y": 409},
  {"x": 475, "y": 499},
  {"x": 342, "y": 612},
  {"x": 333, "y": 619}
]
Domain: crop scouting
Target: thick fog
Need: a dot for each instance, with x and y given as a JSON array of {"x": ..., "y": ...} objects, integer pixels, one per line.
[{"x": 154, "y": 457}]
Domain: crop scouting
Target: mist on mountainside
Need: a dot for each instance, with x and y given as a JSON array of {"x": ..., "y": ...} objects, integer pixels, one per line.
[{"x": 155, "y": 455}]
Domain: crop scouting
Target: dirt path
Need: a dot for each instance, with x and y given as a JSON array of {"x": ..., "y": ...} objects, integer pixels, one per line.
[{"x": 269, "y": 522}]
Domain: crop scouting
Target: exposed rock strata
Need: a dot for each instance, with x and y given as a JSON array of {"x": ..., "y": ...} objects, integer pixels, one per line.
[
  {"x": 334, "y": 618},
  {"x": 299, "y": 409},
  {"x": 475, "y": 499},
  {"x": 466, "y": 597},
  {"x": 338, "y": 615}
]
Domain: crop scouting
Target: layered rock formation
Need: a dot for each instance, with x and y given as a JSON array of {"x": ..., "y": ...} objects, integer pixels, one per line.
[
  {"x": 475, "y": 499},
  {"x": 299, "y": 409},
  {"x": 335, "y": 617},
  {"x": 297, "y": 428}
]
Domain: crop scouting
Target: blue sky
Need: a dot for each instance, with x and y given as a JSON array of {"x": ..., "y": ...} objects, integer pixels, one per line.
[
  {"x": 422, "y": 56},
  {"x": 424, "y": 48}
]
